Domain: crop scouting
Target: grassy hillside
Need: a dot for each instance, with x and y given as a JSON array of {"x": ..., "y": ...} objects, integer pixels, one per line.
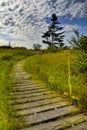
[{"x": 64, "y": 71}]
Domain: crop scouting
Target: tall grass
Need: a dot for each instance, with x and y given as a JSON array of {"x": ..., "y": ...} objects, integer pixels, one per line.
[
  {"x": 8, "y": 57},
  {"x": 60, "y": 73},
  {"x": 6, "y": 120}
]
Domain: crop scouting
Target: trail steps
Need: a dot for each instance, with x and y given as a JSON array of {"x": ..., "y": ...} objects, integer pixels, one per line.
[{"x": 39, "y": 109}]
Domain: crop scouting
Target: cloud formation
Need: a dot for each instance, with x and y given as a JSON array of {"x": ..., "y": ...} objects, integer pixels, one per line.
[{"x": 24, "y": 19}]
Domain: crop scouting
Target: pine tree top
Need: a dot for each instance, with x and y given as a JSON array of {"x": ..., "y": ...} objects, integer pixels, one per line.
[{"x": 54, "y": 17}]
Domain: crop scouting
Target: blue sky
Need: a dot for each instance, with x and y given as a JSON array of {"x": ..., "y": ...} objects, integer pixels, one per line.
[
  {"x": 23, "y": 21},
  {"x": 80, "y": 22}
]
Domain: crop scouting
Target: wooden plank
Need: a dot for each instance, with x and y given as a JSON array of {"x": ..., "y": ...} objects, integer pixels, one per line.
[
  {"x": 31, "y": 91},
  {"x": 18, "y": 85},
  {"x": 42, "y": 108},
  {"x": 38, "y": 103},
  {"x": 34, "y": 87},
  {"x": 82, "y": 126},
  {"x": 28, "y": 95},
  {"x": 63, "y": 124},
  {"x": 45, "y": 116},
  {"x": 31, "y": 99},
  {"x": 20, "y": 72},
  {"x": 24, "y": 84},
  {"x": 21, "y": 75},
  {"x": 29, "y": 86},
  {"x": 14, "y": 74}
]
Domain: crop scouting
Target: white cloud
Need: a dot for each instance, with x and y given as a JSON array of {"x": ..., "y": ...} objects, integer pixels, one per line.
[
  {"x": 69, "y": 27},
  {"x": 3, "y": 42},
  {"x": 25, "y": 18},
  {"x": 78, "y": 9}
]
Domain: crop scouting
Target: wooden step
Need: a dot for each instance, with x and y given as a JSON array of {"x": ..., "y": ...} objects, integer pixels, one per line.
[
  {"x": 30, "y": 91},
  {"x": 38, "y": 103},
  {"x": 63, "y": 124},
  {"x": 49, "y": 115},
  {"x": 23, "y": 82},
  {"x": 28, "y": 95},
  {"x": 28, "y": 88},
  {"x": 22, "y": 85},
  {"x": 42, "y": 108},
  {"x": 32, "y": 94},
  {"x": 81, "y": 126},
  {"x": 31, "y": 99}
]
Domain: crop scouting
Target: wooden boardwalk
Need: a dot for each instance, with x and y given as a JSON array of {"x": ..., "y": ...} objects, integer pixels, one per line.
[{"x": 39, "y": 109}]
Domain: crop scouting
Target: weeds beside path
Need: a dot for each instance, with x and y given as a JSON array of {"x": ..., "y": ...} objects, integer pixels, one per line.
[{"x": 64, "y": 72}]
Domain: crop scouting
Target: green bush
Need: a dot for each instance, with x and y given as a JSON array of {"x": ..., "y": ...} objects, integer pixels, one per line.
[{"x": 82, "y": 61}]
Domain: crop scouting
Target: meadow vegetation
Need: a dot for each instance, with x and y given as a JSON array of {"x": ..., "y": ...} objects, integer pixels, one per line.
[{"x": 64, "y": 72}]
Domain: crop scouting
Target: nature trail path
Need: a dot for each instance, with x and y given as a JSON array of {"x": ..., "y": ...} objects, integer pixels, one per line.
[{"x": 39, "y": 109}]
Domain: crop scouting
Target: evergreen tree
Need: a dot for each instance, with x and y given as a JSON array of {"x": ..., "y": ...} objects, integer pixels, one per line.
[{"x": 54, "y": 36}]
